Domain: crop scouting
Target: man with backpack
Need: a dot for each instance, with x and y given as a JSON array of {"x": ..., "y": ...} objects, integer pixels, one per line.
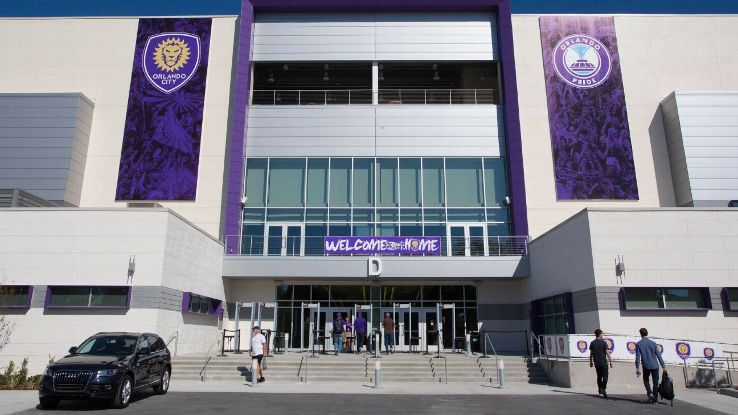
[
  {"x": 338, "y": 334},
  {"x": 648, "y": 351},
  {"x": 599, "y": 355}
]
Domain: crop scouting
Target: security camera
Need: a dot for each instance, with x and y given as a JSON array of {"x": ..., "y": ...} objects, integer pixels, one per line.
[
  {"x": 507, "y": 200},
  {"x": 244, "y": 199}
]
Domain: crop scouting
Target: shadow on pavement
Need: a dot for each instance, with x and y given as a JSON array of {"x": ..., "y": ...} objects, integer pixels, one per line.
[{"x": 95, "y": 405}]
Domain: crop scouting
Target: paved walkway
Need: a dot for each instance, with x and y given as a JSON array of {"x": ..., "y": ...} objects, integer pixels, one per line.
[{"x": 193, "y": 397}]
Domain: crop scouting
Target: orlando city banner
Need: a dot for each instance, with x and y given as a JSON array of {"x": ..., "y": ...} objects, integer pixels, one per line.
[
  {"x": 590, "y": 135},
  {"x": 161, "y": 140}
]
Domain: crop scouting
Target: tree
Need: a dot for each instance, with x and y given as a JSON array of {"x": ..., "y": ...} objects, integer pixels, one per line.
[{"x": 6, "y": 324}]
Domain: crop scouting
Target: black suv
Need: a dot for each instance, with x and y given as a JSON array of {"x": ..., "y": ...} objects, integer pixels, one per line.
[{"x": 108, "y": 366}]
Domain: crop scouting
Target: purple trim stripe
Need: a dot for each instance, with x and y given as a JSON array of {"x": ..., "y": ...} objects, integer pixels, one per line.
[{"x": 241, "y": 82}]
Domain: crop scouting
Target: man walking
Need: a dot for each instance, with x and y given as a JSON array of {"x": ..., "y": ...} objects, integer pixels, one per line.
[
  {"x": 389, "y": 333},
  {"x": 338, "y": 334},
  {"x": 599, "y": 356},
  {"x": 648, "y": 351},
  {"x": 258, "y": 346},
  {"x": 360, "y": 330}
]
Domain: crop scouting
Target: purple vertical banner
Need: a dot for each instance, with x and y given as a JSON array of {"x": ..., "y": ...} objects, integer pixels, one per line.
[
  {"x": 590, "y": 136},
  {"x": 161, "y": 141}
]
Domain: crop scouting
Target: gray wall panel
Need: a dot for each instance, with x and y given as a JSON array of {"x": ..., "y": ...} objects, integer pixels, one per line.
[
  {"x": 703, "y": 146},
  {"x": 502, "y": 311},
  {"x": 40, "y": 136},
  {"x": 406, "y": 36},
  {"x": 365, "y": 131}
]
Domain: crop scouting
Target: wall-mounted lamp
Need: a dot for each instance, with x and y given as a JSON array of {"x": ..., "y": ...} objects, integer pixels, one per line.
[
  {"x": 131, "y": 268},
  {"x": 620, "y": 267},
  {"x": 285, "y": 67}
]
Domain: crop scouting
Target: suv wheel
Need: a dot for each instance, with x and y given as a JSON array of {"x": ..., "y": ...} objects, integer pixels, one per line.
[
  {"x": 163, "y": 385},
  {"x": 48, "y": 403},
  {"x": 123, "y": 394}
]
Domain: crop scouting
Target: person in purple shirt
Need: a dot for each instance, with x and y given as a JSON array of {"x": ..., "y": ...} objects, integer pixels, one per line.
[{"x": 360, "y": 331}]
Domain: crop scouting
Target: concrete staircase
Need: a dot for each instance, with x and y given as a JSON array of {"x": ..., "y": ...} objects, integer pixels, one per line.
[{"x": 396, "y": 368}]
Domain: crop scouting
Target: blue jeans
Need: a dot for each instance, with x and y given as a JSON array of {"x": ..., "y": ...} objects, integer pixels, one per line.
[
  {"x": 338, "y": 343},
  {"x": 652, "y": 373},
  {"x": 389, "y": 342}
]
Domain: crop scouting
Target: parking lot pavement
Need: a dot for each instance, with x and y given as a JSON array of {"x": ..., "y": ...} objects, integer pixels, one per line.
[{"x": 565, "y": 403}]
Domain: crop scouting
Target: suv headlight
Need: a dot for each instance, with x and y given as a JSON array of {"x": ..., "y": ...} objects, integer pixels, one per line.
[{"x": 107, "y": 372}]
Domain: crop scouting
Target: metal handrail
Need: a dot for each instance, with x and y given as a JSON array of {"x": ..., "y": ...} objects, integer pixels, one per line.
[
  {"x": 712, "y": 364},
  {"x": 540, "y": 346},
  {"x": 447, "y": 96},
  {"x": 445, "y": 367},
  {"x": 303, "y": 359},
  {"x": 202, "y": 378},
  {"x": 174, "y": 337},
  {"x": 302, "y": 246},
  {"x": 497, "y": 359}
]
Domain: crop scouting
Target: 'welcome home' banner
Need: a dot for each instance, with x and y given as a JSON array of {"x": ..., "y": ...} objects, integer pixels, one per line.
[
  {"x": 590, "y": 136},
  {"x": 367, "y": 245},
  {"x": 161, "y": 141}
]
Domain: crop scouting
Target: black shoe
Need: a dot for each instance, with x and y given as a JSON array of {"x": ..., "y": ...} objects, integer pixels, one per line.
[
  {"x": 599, "y": 391},
  {"x": 649, "y": 399},
  {"x": 604, "y": 394},
  {"x": 261, "y": 380}
]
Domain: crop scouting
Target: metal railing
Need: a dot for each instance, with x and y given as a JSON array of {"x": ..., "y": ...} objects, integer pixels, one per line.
[
  {"x": 536, "y": 340},
  {"x": 303, "y": 363},
  {"x": 727, "y": 364},
  {"x": 174, "y": 337},
  {"x": 487, "y": 341},
  {"x": 445, "y": 368},
  {"x": 208, "y": 356},
  {"x": 364, "y": 96},
  {"x": 492, "y": 246}
]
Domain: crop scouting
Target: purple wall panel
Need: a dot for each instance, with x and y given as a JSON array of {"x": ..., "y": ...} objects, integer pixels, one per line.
[
  {"x": 590, "y": 136},
  {"x": 161, "y": 141},
  {"x": 241, "y": 85}
]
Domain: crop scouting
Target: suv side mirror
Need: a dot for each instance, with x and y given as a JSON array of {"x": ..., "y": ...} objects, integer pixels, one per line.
[
  {"x": 73, "y": 350},
  {"x": 144, "y": 351}
]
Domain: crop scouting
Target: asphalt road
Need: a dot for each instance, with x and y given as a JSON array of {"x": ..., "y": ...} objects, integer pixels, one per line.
[{"x": 567, "y": 403}]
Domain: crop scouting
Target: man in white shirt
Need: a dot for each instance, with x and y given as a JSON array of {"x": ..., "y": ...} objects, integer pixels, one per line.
[{"x": 258, "y": 346}]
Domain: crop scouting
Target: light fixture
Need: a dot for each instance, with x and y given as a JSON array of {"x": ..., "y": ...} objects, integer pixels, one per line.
[
  {"x": 271, "y": 76},
  {"x": 131, "y": 267},
  {"x": 325, "y": 73},
  {"x": 381, "y": 72},
  {"x": 285, "y": 67},
  {"x": 435, "y": 72}
]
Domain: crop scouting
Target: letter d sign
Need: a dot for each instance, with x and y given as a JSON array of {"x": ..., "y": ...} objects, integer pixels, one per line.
[{"x": 374, "y": 265}]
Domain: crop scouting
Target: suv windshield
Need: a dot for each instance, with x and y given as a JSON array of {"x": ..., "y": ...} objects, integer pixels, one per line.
[{"x": 108, "y": 345}]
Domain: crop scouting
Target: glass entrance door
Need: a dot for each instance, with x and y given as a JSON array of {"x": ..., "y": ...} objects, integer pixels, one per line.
[
  {"x": 467, "y": 239},
  {"x": 284, "y": 239}
]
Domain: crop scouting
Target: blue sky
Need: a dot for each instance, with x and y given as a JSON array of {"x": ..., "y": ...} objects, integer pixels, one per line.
[{"x": 62, "y": 8}]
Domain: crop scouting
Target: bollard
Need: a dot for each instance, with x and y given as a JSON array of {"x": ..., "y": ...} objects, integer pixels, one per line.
[
  {"x": 377, "y": 375},
  {"x": 501, "y": 373},
  {"x": 376, "y": 345},
  {"x": 286, "y": 342},
  {"x": 468, "y": 344},
  {"x": 254, "y": 367}
]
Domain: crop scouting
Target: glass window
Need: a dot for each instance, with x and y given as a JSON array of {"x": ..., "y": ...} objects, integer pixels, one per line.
[
  {"x": 317, "y": 183},
  {"x": 14, "y": 296},
  {"x": 434, "y": 215},
  {"x": 316, "y": 215},
  {"x": 363, "y": 229},
  {"x": 89, "y": 297},
  {"x": 643, "y": 298},
  {"x": 411, "y": 215},
  {"x": 252, "y": 241},
  {"x": 685, "y": 298},
  {"x": 109, "y": 297},
  {"x": 465, "y": 215},
  {"x": 314, "y": 234},
  {"x": 464, "y": 182},
  {"x": 470, "y": 293},
  {"x": 286, "y": 182},
  {"x": 388, "y": 215},
  {"x": 452, "y": 292},
  {"x": 340, "y": 215},
  {"x": 363, "y": 215},
  {"x": 363, "y": 182},
  {"x": 339, "y": 229},
  {"x": 350, "y": 293},
  {"x": 285, "y": 215},
  {"x": 256, "y": 182},
  {"x": 494, "y": 181},
  {"x": 432, "y": 293},
  {"x": 302, "y": 293},
  {"x": 387, "y": 229},
  {"x": 497, "y": 215},
  {"x": 284, "y": 292},
  {"x": 253, "y": 215},
  {"x": 340, "y": 182},
  {"x": 320, "y": 293},
  {"x": 433, "y": 183},
  {"x": 387, "y": 186},
  {"x": 552, "y": 315},
  {"x": 731, "y": 299},
  {"x": 410, "y": 182},
  {"x": 411, "y": 229}
]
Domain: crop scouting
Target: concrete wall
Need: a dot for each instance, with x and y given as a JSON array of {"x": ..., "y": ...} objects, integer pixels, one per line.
[
  {"x": 95, "y": 57},
  {"x": 678, "y": 50},
  {"x": 372, "y": 37},
  {"x": 57, "y": 246},
  {"x": 43, "y": 144},
  {"x": 381, "y": 131}
]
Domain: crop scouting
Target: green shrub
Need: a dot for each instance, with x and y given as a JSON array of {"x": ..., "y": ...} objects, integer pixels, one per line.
[{"x": 18, "y": 380}]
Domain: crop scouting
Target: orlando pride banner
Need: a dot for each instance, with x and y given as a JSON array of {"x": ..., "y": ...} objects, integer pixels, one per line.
[
  {"x": 366, "y": 245},
  {"x": 161, "y": 141},
  {"x": 590, "y": 135}
]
